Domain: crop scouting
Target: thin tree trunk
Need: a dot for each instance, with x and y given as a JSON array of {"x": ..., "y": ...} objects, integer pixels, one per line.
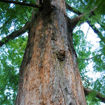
[{"x": 49, "y": 73}]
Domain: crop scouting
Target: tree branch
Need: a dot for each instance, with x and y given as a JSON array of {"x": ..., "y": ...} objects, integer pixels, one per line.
[
  {"x": 98, "y": 95},
  {"x": 78, "y": 12},
  {"x": 91, "y": 57},
  {"x": 73, "y": 9},
  {"x": 75, "y": 20},
  {"x": 15, "y": 34},
  {"x": 96, "y": 31},
  {"x": 21, "y": 3},
  {"x": 78, "y": 18}
]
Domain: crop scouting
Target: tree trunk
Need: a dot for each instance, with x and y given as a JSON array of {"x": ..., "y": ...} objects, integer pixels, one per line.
[{"x": 49, "y": 73}]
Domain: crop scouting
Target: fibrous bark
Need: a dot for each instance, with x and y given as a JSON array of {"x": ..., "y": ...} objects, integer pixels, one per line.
[{"x": 49, "y": 73}]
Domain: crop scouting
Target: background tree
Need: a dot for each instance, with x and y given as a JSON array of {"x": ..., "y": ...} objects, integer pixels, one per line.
[{"x": 15, "y": 20}]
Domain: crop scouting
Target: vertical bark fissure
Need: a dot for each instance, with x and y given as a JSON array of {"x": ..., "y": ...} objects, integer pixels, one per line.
[{"x": 62, "y": 93}]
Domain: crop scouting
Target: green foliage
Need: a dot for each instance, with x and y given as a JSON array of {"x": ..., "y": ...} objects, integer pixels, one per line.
[
  {"x": 92, "y": 100},
  {"x": 82, "y": 49},
  {"x": 13, "y": 15},
  {"x": 10, "y": 60}
]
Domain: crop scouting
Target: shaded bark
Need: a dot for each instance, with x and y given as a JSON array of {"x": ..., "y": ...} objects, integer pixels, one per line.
[{"x": 49, "y": 73}]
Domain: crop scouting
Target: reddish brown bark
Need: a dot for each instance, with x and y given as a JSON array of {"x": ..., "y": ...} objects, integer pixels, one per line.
[{"x": 49, "y": 73}]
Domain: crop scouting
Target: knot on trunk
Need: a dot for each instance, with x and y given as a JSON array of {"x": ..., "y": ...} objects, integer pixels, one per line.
[{"x": 61, "y": 55}]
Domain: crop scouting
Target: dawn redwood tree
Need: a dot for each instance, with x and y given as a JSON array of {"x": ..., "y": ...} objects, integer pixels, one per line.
[{"x": 49, "y": 73}]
